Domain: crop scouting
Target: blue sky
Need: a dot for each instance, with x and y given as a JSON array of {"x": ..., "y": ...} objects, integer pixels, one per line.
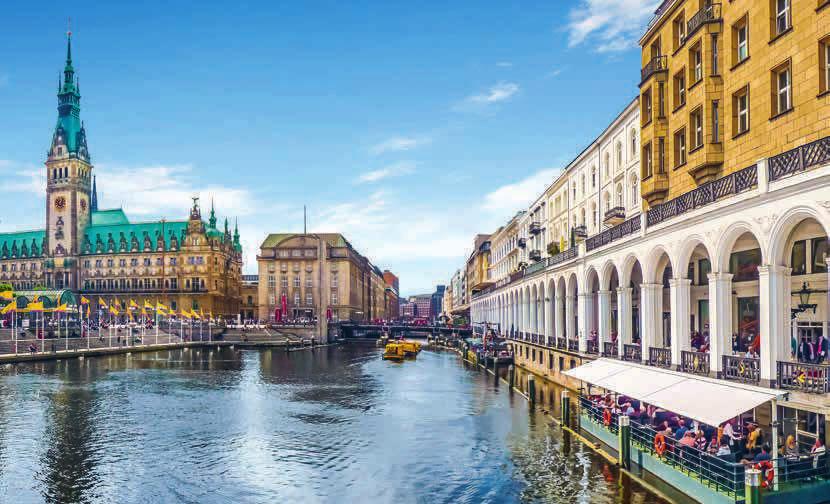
[{"x": 409, "y": 127}]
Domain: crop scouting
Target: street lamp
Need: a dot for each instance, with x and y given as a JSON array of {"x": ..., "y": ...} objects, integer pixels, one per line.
[{"x": 804, "y": 301}]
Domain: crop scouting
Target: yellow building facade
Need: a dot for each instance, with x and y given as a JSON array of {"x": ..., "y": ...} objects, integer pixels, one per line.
[{"x": 726, "y": 84}]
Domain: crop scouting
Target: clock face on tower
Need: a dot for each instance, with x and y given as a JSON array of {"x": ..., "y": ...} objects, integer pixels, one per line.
[
  {"x": 60, "y": 203},
  {"x": 83, "y": 205}
]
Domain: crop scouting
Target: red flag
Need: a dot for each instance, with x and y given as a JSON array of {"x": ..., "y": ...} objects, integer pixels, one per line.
[
  {"x": 284, "y": 304},
  {"x": 328, "y": 313}
]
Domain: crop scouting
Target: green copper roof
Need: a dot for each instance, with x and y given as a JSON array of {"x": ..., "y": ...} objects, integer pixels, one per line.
[
  {"x": 333, "y": 239},
  {"x": 69, "y": 130},
  {"x": 109, "y": 217},
  {"x": 30, "y": 238},
  {"x": 138, "y": 230}
]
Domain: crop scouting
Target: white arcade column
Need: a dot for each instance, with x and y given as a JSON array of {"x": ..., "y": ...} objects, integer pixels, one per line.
[
  {"x": 624, "y": 314},
  {"x": 720, "y": 327},
  {"x": 679, "y": 299}
]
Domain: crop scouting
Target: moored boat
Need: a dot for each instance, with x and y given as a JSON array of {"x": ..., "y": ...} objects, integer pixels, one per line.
[{"x": 394, "y": 351}]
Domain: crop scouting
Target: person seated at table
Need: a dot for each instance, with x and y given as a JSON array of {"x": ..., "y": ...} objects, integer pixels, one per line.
[
  {"x": 724, "y": 450},
  {"x": 713, "y": 446},
  {"x": 628, "y": 409},
  {"x": 790, "y": 449},
  {"x": 681, "y": 430},
  {"x": 700, "y": 440},
  {"x": 687, "y": 440},
  {"x": 817, "y": 451},
  {"x": 762, "y": 456}
]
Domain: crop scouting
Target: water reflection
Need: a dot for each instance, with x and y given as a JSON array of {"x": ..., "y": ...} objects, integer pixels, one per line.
[{"x": 333, "y": 425}]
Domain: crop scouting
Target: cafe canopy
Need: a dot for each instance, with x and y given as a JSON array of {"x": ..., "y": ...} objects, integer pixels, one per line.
[{"x": 704, "y": 399}]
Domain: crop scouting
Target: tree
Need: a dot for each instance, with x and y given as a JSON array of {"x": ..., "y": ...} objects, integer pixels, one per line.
[{"x": 6, "y": 287}]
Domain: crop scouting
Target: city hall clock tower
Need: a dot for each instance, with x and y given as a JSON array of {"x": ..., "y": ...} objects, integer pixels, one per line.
[{"x": 69, "y": 179}]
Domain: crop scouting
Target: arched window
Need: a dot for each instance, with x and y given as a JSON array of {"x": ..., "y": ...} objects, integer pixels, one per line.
[
  {"x": 593, "y": 177},
  {"x": 582, "y": 183},
  {"x": 619, "y": 155},
  {"x": 607, "y": 200},
  {"x": 607, "y": 165},
  {"x": 633, "y": 152},
  {"x": 620, "y": 195},
  {"x": 594, "y": 216},
  {"x": 582, "y": 215},
  {"x": 635, "y": 191}
]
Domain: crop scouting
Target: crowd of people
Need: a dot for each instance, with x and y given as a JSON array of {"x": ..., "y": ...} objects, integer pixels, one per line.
[{"x": 735, "y": 441}]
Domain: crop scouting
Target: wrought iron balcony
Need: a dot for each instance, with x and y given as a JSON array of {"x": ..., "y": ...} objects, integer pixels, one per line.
[
  {"x": 535, "y": 255},
  {"x": 614, "y": 216},
  {"x": 742, "y": 369},
  {"x": 592, "y": 347},
  {"x": 580, "y": 232},
  {"x": 694, "y": 362},
  {"x": 734, "y": 183},
  {"x": 609, "y": 349},
  {"x": 657, "y": 64},
  {"x": 535, "y": 227},
  {"x": 632, "y": 353},
  {"x": 799, "y": 159},
  {"x": 811, "y": 378},
  {"x": 628, "y": 227},
  {"x": 708, "y": 14},
  {"x": 561, "y": 343},
  {"x": 522, "y": 242},
  {"x": 573, "y": 345},
  {"x": 660, "y": 357}
]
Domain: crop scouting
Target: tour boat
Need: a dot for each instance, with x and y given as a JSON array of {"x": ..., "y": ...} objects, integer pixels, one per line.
[
  {"x": 394, "y": 351},
  {"x": 410, "y": 348}
]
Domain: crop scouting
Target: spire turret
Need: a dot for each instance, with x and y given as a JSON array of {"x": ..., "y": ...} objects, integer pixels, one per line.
[
  {"x": 212, "y": 219},
  {"x": 93, "y": 203},
  {"x": 69, "y": 132}
]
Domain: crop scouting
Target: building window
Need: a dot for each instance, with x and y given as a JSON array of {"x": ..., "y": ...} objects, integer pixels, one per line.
[
  {"x": 679, "y": 29},
  {"x": 296, "y": 298},
  {"x": 715, "y": 121},
  {"x": 593, "y": 177},
  {"x": 782, "y": 16},
  {"x": 633, "y": 143},
  {"x": 696, "y": 63},
  {"x": 824, "y": 59},
  {"x": 714, "y": 54},
  {"x": 648, "y": 169},
  {"x": 334, "y": 280},
  {"x": 696, "y": 121},
  {"x": 661, "y": 155},
  {"x": 740, "y": 116},
  {"x": 782, "y": 84},
  {"x": 679, "y": 89},
  {"x": 309, "y": 299},
  {"x": 619, "y": 153},
  {"x": 334, "y": 299},
  {"x": 740, "y": 40},
  {"x": 680, "y": 148},
  {"x": 272, "y": 282},
  {"x": 646, "y": 112},
  {"x": 308, "y": 281},
  {"x": 297, "y": 281}
]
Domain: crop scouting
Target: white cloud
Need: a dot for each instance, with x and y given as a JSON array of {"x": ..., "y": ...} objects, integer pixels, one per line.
[
  {"x": 518, "y": 195},
  {"x": 609, "y": 25},
  {"x": 498, "y": 93},
  {"x": 398, "y": 144},
  {"x": 394, "y": 170},
  {"x": 504, "y": 64},
  {"x": 554, "y": 72}
]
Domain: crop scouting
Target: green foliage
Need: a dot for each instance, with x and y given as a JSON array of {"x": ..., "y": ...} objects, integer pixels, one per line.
[
  {"x": 6, "y": 287},
  {"x": 553, "y": 248},
  {"x": 40, "y": 288}
]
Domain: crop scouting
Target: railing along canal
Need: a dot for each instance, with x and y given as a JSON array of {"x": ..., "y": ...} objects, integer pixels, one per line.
[
  {"x": 811, "y": 378},
  {"x": 742, "y": 369},
  {"x": 694, "y": 362},
  {"x": 632, "y": 352},
  {"x": 660, "y": 357}
]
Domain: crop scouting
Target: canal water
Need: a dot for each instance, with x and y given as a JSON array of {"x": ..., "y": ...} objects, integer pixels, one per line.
[{"x": 334, "y": 425}]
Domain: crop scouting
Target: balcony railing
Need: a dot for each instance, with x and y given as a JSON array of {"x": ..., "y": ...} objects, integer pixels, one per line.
[
  {"x": 742, "y": 369},
  {"x": 573, "y": 345},
  {"x": 660, "y": 357},
  {"x": 632, "y": 352},
  {"x": 535, "y": 227},
  {"x": 810, "y": 378},
  {"x": 614, "y": 215},
  {"x": 522, "y": 242},
  {"x": 609, "y": 349},
  {"x": 694, "y": 362},
  {"x": 592, "y": 347},
  {"x": 734, "y": 183},
  {"x": 799, "y": 159},
  {"x": 628, "y": 227},
  {"x": 708, "y": 14},
  {"x": 561, "y": 343},
  {"x": 657, "y": 64},
  {"x": 562, "y": 256},
  {"x": 535, "y": 255}
]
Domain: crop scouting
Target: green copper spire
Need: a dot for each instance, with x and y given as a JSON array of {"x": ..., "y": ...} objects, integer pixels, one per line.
[
  {"x": 227, "y": 232},
  {"x": 236, "y": 231},
  {"x": 212, "y": 220},
  {"x": 69, "y": 131}
]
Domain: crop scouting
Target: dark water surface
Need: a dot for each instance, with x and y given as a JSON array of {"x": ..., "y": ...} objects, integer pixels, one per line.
[{"x": 336, "y": 425}]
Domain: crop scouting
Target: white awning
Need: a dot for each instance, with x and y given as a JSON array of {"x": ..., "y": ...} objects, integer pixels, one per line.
[{"x": 704, "y": 399}]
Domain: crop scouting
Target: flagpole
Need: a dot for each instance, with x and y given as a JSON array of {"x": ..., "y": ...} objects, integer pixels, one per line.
[
  {"x": 42, "y": 331},
  {"x": 157, "y": 324},
  {"x": 110, "y": 327},
  {"x": 14, "y": 325},
  {"x": 88, "y": 328}
]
